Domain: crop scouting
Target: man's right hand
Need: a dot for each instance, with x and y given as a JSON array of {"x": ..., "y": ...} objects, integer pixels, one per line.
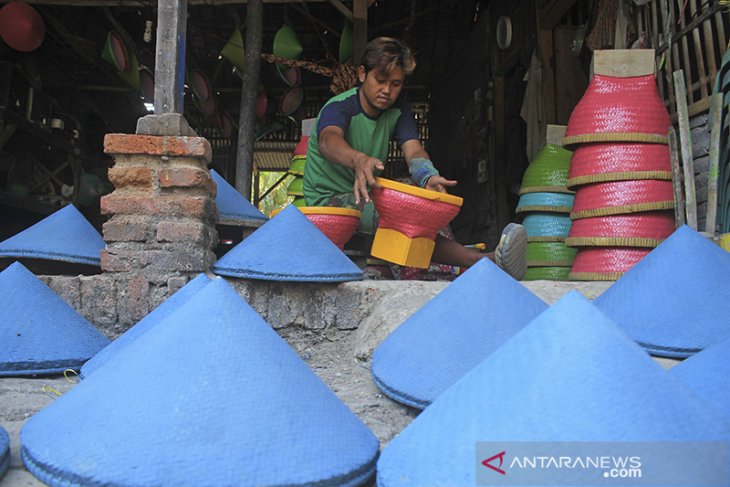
[{"x": 364, "y": 166}]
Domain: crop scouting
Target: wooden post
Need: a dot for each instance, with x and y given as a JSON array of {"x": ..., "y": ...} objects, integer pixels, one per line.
[
  {"x": 170, "y": 56},
  {"x": 715, "y": 123},
  {"x": 685, "y": 139},
  {"x": 359, "y": 29},
  {"x": 679, "y": 217},
  {"x": 249, "y": 88}
]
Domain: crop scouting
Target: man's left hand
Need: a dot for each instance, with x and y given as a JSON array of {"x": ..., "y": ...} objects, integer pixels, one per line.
[{"x": 439, "y": 183}]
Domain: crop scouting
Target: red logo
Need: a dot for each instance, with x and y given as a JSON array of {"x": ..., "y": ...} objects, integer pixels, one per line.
[{"x": 487, "y": 463}]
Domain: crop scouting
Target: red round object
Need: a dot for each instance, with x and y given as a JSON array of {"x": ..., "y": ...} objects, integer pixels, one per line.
[
  {"x": 147, "y": 83},
  {"x": 290, "y": 101},
  {"x": 593, "y": 163},
  {"x": 208, "y": 107},
  {"x": 605, "y": 263},
  {"x": 200, "y": 84},
  {"x": 338, "y": 228},
  {"x": 261, "y": 104},
  {"x": 21, "y": 26},
  {"x": 411, "y": 215},
  {"x": 619, "y": 109},
  {"x": 646, "y": 229},
  {"x": 616, "y": 197},
  {"x": 301, "y": 148}
]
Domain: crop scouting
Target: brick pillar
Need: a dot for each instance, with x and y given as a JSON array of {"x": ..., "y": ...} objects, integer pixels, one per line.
[{"x": 161, "y": 227}]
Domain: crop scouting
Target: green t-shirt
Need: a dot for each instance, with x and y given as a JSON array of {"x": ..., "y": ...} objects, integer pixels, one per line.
[{"x": 323, "y": 179}]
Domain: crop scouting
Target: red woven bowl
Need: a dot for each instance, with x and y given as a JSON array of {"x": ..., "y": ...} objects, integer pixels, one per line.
[
  {"x": 413, "y": 211},
  {"x": 21, "y": 26},
  {"x": 619, "y": 109},
  {"x": 593, "y": 163},
  {"x": 338, "y": 224},
  {"x": 301, "y": 148},
  {"x": 646, "y": 229},
  {"x": 605, "y": 263},
  {"x": 616, "y": 197}
]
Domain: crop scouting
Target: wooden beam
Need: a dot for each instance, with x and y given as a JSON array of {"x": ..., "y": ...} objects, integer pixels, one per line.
[
  {"x": 359, "y": 29},
  {"x": 170, "y": 56},
  {"x": 147, "y": 3},
  {"x": 551, "y": 11},
  {"x": 342, "y": 9}
]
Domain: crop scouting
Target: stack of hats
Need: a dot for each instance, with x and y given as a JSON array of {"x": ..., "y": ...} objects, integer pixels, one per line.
[
  {"x": 545, "y": 202},
  {"x": 287, "y": 46},
  {"x": 297, "y": 170},
  {"x": 621, "y": 173}
]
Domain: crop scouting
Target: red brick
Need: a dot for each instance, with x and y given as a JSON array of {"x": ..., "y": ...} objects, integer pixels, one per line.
[
  {"x": 134, "y": 302},
  {"x": 128, "y": 205},
  {"x": 171, "y": 146},
  {"x": 186, "y": 177},
  {"x": 124, "y": 231},
  {"x": 189, "y": 231},
  {"x": 135, "y": 177}
]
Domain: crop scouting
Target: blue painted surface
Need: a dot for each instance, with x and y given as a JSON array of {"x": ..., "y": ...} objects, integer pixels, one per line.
[
  {"x": 231, "y": 204},
  {"x": 545, "y": 199},
  {"x": 676, "y": 300},
  {"x": 452, "y": 333},
  {"x": 212, "y": 395},
  {"x": 570, "y": 375},
  {"x": 39, "y": 332},
  {"x": 288, "y": 248},
  {"x": 169, "y": 306},
  {"x": 4, "y": 452},
  {"x": 547, "y": 224},
  {"x": 64, "y": 236}
]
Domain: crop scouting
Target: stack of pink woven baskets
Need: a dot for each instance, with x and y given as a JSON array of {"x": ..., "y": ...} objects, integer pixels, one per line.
[{"x": 621, "y": 174}]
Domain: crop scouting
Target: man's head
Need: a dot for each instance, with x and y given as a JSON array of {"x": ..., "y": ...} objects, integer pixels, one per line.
[{"x": 385, "y": 64}]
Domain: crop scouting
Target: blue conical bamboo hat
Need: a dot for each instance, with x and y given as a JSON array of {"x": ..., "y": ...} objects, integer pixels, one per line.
[
  {"x": 210, "y": 396},
  {"x": 232, "y": 206},
  {"x": 676, "y": 300},
  {"x": 4, "y": 452},
  {"x": 39, "y": 332},
  {"x": 707, "y": 374},
  {"x": 65, "y": 235},
  {"x": 158, "y": 314},
  {"x": 288, "y": 248},
  {"x": 571, "y": 375},
  {"x": 452, "y": 333}
]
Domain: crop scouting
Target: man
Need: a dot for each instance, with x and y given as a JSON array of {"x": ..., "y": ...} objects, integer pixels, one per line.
[{"x": 350, "y": 142}]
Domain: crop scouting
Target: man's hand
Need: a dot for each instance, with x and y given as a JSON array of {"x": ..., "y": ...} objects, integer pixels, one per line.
[
  {"x": 439, "y": 183},
  {"x": 364, "y": 167}
]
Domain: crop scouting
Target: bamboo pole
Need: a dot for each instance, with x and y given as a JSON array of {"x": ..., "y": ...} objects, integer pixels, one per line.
[
  {"x": 685, "y": 139},
  {"x": 712, "y": 173}
]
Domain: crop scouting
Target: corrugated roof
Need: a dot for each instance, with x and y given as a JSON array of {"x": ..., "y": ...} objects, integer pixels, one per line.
[{"x": 273, "y": 155}]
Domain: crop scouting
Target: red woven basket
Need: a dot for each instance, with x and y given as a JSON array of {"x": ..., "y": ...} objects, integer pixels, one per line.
[
  {"x": 619, "y": 110},
  {"x": 605, "y": 263},
  {"x": 593, "y": 163},
  {"x": 338, "y": 224},
  {"x": 301, "y": 148},
  {"x": 646, "y": 229},
  {"x": 413, "y": 211},
  {"x": 616, "y": 197}
]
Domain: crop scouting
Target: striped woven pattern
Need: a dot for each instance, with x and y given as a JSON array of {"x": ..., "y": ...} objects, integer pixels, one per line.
[
  {"x": 547, "y": 274},
  {"x": 646, "y": 229},
  {"x": 550, "y": 254},
  {"x": 612, "y": 198},
  {"x": 548, "y": 171},
  {"x": 552, "y": 202},
  {"x": 411, "y": 215},
  {"x": 619, "y": 109},
  {"x": 546, "y": 225},
  {"x": 605, "y": 263},
  {"x": 592, "y": 163}
]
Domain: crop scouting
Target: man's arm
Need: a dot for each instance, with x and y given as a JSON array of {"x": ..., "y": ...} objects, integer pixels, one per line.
[
  {"x": 416, "y": 155},
  {"x": 334, "y": 148}
]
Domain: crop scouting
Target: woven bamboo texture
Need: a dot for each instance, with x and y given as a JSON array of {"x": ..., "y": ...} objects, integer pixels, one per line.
[
  {"x": 616, "y": 197},
  {"x": 647, "y": 229},
  {"x": 549, "y": 254},
  {"x": 605, "y": 263},
  {"x": 592, "y": 163}
]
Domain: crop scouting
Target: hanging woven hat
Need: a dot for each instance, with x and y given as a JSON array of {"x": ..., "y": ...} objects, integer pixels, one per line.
[
  {"x": 605, "y": 263},
  {"x": 345, "y": 51},
  {"x": 617, "y": 109},
  {"x": 571, "y": 375},
  {"x": 65, "y": 236},
  {"x": 706, "y": 374},
  {"x": 169, "y": 306},
  {"x": 288, "y": 248},
  {"x": 200, "y": 85},
  {"x": 233, "y": 208},
  {"x": 548, "y": 172},
  {"x": 338, "y": 224},
  {"x": 39, "y": 332},
  {"x": 547, "y": 227},
  {"x": 147, "y": 83},
  {"x": 645, "y": 229},
  {"x": 593, "y": 163},
  {"x": 290, "y": 101},
  {"x": 547, "y": 274},
  {"x": 291, "y": 76},
  {"x": 616, "y": 197},
  {"x": 483, "y": 307},
  {"x": 549, "y": 254},
  {"x": 286, "y": 43},
  {"x": 295, "y": 188},
  {"x": 21, "y": 26},
  {"x": 115, "y": 52},
  {"x": 301, "y": 148},
  {"x": 676, "y": 301},
  {"x": 551, "y": 202},
  {"x": 131, "y": 75},
  {"x": 233, "y": 50},
  {"x": 246, "y": 411},
  {"x": 297, "y": 165}
]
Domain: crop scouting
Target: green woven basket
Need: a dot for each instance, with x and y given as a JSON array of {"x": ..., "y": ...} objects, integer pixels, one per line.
[
  {"x": 549, "y": 254},
  {"x": 295, "y": 187},
  {"x": 547, "y": 274},
  {"x": 297, "y": 165},
  {"x": 548, "y": 172}
]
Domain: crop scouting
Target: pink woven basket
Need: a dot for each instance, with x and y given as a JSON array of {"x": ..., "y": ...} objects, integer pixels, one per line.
[
  {"x": 605, "y": 263},
  {"x": 301, "y": 148},
  {"x": 617, "y": 197},
  {"x": 592, "y": 163},
  {"x": 619, "y": 109},
  {"x": 646, "y": 229},
  {"x": 338, "y": 228},
  {"x": 401, "y": 208}
]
